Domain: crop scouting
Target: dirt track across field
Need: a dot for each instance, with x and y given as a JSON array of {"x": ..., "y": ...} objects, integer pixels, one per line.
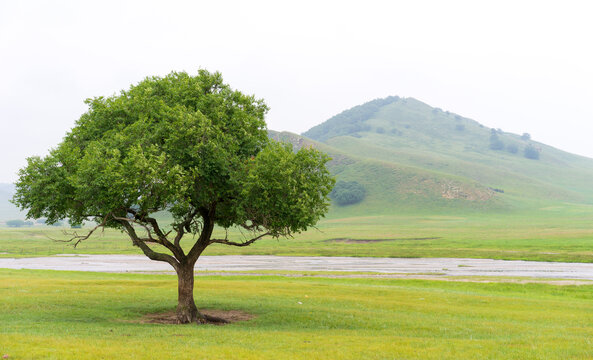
[{"x": 419, "y": 266}]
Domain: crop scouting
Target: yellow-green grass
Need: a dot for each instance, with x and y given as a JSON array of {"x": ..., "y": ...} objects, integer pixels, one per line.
[
  {"x": 69, "y": 315},
  {"x": 562, "y": 233}
]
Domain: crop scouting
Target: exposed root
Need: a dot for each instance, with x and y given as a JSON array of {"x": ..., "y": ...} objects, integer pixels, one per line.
[
  {"x": 210, "y": 319},
  {"x": 208, "y": 316}
]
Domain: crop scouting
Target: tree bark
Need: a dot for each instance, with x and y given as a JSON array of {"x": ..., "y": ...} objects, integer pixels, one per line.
[{"x": 187, "y": 312}]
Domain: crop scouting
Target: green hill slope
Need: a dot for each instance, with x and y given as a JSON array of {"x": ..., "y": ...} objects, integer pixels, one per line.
[
  {"x": 411, "y": 156},
  {"x": 399, "y": 188}
]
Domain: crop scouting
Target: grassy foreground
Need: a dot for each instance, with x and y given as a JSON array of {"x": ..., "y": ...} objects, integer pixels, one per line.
[
  {"x": 70, "y": 315},
  {"x": 560, "y": 233}
]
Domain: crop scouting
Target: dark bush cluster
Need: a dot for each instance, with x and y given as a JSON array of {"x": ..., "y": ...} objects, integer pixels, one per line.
[
  {"x": 347, "y": 193},
  {"x": 495, "y": 142},
  {"x": 531, "y": 152}
]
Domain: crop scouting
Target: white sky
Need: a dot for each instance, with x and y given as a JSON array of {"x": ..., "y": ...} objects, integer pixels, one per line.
[{"x": 523, "y": 66}]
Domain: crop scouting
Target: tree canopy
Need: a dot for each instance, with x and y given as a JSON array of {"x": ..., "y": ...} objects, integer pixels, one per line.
[{"x": 188, "y": 145}]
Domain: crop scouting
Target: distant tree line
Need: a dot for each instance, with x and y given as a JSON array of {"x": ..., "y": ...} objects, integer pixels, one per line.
[
  {"x": 18, "y": 223},
  {"x": 496, "y": 143},
  {"x": 26, "y": 223}
]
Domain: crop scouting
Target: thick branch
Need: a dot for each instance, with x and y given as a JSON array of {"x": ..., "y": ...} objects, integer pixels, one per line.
[
  {"x": 151, "y": 254},
  {"x": 183, "y": 226},
  {"x": 151, "y": 221},
  {"x": 161, "y": 238},
  {"x": 232, "y": 243},
  {"x": 204, "y": 239}
]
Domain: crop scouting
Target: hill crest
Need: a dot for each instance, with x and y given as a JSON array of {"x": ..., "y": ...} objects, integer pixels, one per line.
[{"x": 414, "y": 137}]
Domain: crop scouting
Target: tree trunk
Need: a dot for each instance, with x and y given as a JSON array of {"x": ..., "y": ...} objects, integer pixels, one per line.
[{"x": 187, "y": 312}]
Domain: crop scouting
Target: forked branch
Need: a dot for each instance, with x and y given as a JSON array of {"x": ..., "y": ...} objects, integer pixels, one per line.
[{"x": 77, "y": 239}]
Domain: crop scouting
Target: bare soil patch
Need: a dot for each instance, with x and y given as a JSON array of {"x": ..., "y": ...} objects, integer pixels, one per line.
[
  {"x": 170, "y": 317},
  {"x": 366, "y": 241}
]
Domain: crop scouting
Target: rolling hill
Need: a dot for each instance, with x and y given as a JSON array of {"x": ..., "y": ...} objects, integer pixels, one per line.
[{"x": 411, "y": 157}]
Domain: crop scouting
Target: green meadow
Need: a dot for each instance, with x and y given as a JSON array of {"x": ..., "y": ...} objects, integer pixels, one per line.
[
  {"x": 73, "y": 315},
  {"x": 434, "y": 187},
  {"x": 560, "y": 233}
]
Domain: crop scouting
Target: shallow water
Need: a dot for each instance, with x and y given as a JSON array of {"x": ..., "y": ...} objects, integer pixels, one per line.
[{"x": 437, "y": 266}]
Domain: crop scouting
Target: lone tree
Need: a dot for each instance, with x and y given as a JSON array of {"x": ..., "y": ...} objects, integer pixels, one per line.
[{"x": 188, "y": 145}]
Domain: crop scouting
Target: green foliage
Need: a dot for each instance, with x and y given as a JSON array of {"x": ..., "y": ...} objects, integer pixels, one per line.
[
  {"x": 525, "y": 136},
  {"x": 286, "y": 191},
  {"x": 347, "y": 193},
  {"x": 350, "y": 121},
  {"x": 531, "y": 152},
  {"x": 189, "y": 145},
  {"x": 460, "y": 127}
]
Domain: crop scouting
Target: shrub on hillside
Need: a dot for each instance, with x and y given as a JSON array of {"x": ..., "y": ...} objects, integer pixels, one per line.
[
  {"x": 513, "y": 148},
  {"x": 531, "y": 152},
  {"x": 347, "y": 193},
  {"x": 495, "y": 142}
]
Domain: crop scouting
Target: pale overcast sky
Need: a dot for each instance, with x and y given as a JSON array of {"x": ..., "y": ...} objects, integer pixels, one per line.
[{"x": 523, "y": 66}]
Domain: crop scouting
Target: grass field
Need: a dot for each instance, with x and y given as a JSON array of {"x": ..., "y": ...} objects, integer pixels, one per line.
[
  {"x": 562, "y": 233},
  {"x": 69, "y": 315}
]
